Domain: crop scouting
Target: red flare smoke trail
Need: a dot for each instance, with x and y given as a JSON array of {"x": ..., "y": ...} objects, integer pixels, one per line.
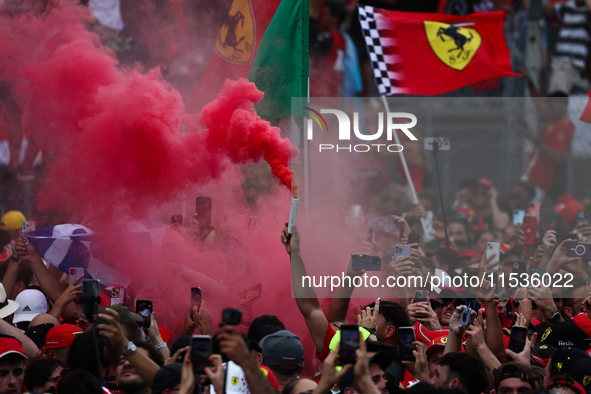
[{"x": 117, "y": 132}]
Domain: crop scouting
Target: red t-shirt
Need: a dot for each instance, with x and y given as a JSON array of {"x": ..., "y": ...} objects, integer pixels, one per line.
[{"x": 539, "y": 169}]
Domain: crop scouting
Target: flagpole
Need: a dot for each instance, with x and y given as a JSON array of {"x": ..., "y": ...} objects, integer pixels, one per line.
[{"x": 413, "y": 192}]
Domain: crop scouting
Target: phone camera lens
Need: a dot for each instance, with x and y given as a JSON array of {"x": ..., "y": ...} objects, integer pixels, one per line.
[{"x": 580, "y": 250}]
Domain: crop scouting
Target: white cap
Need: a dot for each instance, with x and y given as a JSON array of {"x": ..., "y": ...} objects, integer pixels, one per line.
[{"x": 32, "y": 303}]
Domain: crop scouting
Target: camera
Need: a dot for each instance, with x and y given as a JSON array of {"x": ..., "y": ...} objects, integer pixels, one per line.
[
  {"x": 232, "y": 316},
  {"x": 437, "y": 142},
  {"x": 578, "y": 249}
]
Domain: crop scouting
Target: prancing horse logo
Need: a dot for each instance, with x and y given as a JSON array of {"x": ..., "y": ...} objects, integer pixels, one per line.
[
  {"x": 237, "y": 35},
  {"x": 455, "y": 45}
]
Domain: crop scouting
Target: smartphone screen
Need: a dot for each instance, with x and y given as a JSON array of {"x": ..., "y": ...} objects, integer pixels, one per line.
[
  {"x": 518, "y": 215},
  {"x": 349, "y": 344},
  {"x": 75, "y": 272},
  {"x": 517, "y": 339},
  {"x": 203, "y": 211},
  {"x": 144, "y": 309},
  {"x": 200, "y": 352},
  {"x": 196, "y": 297},
  {"x": 406, "y": 337}
]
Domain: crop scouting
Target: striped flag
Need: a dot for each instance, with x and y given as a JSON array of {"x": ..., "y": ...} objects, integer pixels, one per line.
[{"x": 71, "y": 245}]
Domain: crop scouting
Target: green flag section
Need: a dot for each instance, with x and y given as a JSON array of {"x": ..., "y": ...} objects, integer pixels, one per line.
[{"x": 280, "y": 67}]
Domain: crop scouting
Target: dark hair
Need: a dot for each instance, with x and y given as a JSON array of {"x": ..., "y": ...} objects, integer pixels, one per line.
[
  {"x": 82, "y": 354},
  {"x": 263, "y": 321},
  {"x": 558, "y": 93},
  {"x": 291, "y": 386},
  {"x": 337, "y": 9},
  {"x": 479, "y": 234},
  {"x": 529, "y": 188},
  {"x": 79, "y": 382},
  {"x": 470, "y": 370},
  {"x": 40, "y": 371},
  {"x": 24, "y": 273},
  {"x": 393, "y": 313},
  {"x": 182, "y": 342}
]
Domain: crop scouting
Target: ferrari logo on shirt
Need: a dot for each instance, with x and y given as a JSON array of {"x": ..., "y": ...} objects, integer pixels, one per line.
[
  {"x": 234, "y": 380},
  {"x": 444, "y": 340},
  {"x": 455, "y": 45},
  {"x": 236, "y": 40}
]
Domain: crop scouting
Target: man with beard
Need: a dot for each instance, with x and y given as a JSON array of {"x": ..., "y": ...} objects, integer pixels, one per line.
[
  {"x": 127, "y": 378},
  {"x": 12, "y": 365}
]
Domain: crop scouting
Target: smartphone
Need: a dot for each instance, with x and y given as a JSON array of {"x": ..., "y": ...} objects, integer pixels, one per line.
[
  {"x": 200, "y": 352},
  {"x": 414, "y": 238},
  {"x": 529, "y": 229},
  {"x": 176, "y": 222},
  {"x": 421, "y": 296},
  {"x": 518, "y": 267},
  {"x": 518, "y": 215},
  {"x": 578, "y": 249},
  {"x": 561, "y": 237},
  {"x": 581, "y": 217},
  {"x": 517, "y": 339},
  {"x": 349, "y": 344},
  {"x": 406, "y": 337},
  {"x": 117, "y": 295},
  {"x": 144, "y": 309},
  {"x": 466, "y": 316},
  {"x": 506, "y": 319},
  {"x": 231, "y": 316},
  {"x": 196, "y": 297},
  {"x": 75, "y": 272},
  {"x": 368, "y": 263},
  {"x": 539, "y": 271},
  {"x": 494, "y": 248},
  {"x": 203, "y": 211},
  {"x": 27, "y": 226},
  {"x": 90, "y": 298},
  {"x": 400, "y": 251},
  {"x": 383, "y": 223},
  {"x": 251, "y": 294},
  {"x": 586, "y": 344}
]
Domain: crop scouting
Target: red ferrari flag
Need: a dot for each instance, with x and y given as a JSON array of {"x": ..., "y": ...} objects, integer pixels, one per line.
[
  {"x": 586, "y": 115},
  {"x": 428, "y": 54}
]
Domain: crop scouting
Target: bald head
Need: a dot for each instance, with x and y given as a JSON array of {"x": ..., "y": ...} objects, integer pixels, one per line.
[{"x": 44, "y": 318}]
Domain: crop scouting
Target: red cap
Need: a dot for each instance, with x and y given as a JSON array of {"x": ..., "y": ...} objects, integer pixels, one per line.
[
  {"x": 436, "y": 342},
  {"x": 569, "y": 209},
  {"x": 564, "y": 198},
  {"x": 61, "y": 336},
  {"x": 470, "y": 253},
  {"x": 11, "y": 345},
  {"x": 484, "y": 182}
]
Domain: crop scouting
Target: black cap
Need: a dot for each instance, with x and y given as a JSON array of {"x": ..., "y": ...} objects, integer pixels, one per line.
[
  {"x": 564, "y": 334},
  {"x": 167, "y": 377},
  {"x": 38, "y": 333},
  {"x": 564, "y": 359},
  {"x": 581, "y": 372},
  {"x": 543, "y": 353}
]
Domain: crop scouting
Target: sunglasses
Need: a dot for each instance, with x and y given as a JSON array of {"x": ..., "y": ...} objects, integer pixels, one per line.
[
  {"x": 456, "y": 303},
  {"x": 516, "y": 303}
]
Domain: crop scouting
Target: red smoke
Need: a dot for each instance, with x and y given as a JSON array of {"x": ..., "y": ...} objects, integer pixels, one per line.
[{"x": 117, "y": 133}]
